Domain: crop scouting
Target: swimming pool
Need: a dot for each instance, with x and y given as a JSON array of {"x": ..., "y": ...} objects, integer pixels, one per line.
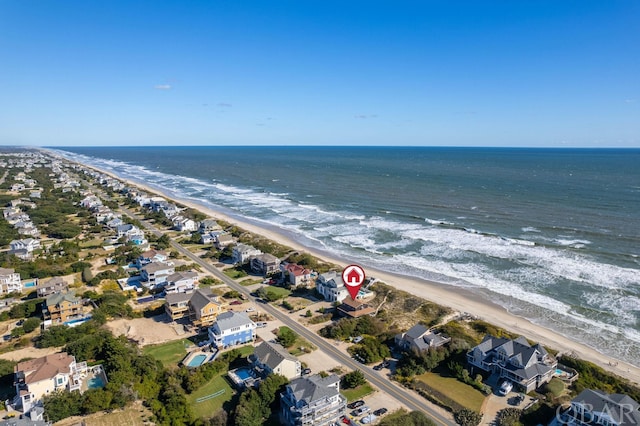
[
  {"x": 197, "y": 360},
  {"x": 243, "y": 373},
  {"x": 30, "y": 284},
  {"x": 95, "y": 382}
]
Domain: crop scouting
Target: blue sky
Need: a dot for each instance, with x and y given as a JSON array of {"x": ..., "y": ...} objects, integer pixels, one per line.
[{"x": 480, "y": 73}]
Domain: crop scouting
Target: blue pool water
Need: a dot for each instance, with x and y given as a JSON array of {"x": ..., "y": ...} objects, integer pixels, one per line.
[
  {"x": 30, "y": 284},
  {"x": 559, "y": 372},
  {"x": 197, "y": 360},
  {"x": 95, "y": 382},
  {"x": 243, "y": 373}
]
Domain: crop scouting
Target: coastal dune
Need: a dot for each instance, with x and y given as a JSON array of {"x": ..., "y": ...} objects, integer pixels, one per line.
[{"x": 454, "y": 297}]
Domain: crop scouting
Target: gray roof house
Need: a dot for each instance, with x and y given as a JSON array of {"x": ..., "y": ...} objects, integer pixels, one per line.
[
  {"x": 420, "y": 338},
  {"x": 265, "y": 264},
  {"x": 54, "y": 285},
  {"x": 528, "y": 367},
  {"x": 594, "y": 407},
  {"x": 312, "y": 400},
  {"x": 272, "y": 358},
  {"x": 232, "y": 328}
]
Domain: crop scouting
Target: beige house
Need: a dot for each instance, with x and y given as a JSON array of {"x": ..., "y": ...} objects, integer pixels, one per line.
[
  {"x": 272, "y": 358},
  {"x": 41, "y": 376}
]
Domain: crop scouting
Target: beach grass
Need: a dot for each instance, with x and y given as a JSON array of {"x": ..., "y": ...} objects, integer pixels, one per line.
[
  {"x": 209, "y": 407},
  {"x": 170, "y": 353},
  {"x": 457, "y": 391},
  {"x": 358, "y": 392}
]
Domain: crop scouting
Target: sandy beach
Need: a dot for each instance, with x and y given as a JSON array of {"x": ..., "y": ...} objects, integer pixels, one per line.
[{"x": 455, "y": 298}]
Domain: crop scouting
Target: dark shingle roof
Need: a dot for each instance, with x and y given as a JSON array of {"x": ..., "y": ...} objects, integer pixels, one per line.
[{"x": 314, "y": 388}]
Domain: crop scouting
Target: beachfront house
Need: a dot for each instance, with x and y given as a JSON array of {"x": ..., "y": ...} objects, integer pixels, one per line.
[
  {"x": 184, "y": 224},
  {"x": 151, "y": 256},
  {"x": 597, "y": 408},
  {"x": 265, "y": 264},
  {"x": 312, "y": 400},
  {"x": 331, "y": 287},
  {"x": 232, "y": 328},
  {"x": 52, "y": 286},
  {"x": 177, "y": 305},
  {"x": 223, "y": 240},
  {"x": 527, "y": 367},
  {"x": 295, "y": 274},
  {"x": 354, "y": 308},
  {"x": 9, "y": 281},
  {"x": 242, "y": 253},
  {"x": 155, "y": 274},
  {"x": 272, "y": 358},
  {"x": 209, "y": 225},
  {"x": 420, "y": 338},
  {"x": 63, "y": 309}
]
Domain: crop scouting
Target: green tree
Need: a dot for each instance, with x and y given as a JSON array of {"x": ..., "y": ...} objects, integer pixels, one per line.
[
  {"x": 31, "y": 324},
  {"x": 466, "y": 417},
  {"x": 250, "y": 411},
  {"x": 508, "y": 417},
  {"x": 286, "y": 336},
  {"x": 353, "y": 379}
]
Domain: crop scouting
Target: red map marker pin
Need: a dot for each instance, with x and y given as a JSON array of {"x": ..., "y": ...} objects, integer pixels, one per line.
[{"x": 353, "y": 277}]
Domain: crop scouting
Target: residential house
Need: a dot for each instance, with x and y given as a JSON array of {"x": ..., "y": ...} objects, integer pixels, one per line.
[
  {"x": 265, "y": 264},
  {"x": 594, "y": 407},
  {"x": 17, "y": 187},
  {"x": 151, "y": 256},
  {"x": 204, "y": 308},
  {"x": 184, "y": 224},
  {"x": 207, "y": 238},
  {"x": 177, "y": 305},
  {"x": 103, "y": 214},
  {"x": 355, "y": 308},
  {"x": 223, "y": 240},
  {"x": 9, "y": 281},
  {"x": 35, "y": 194},
  {"x": 127, "y": 229},
  {"x": 155, "y": 274},
  {"x": 232, "y": 328},
  {"x": 208, "y": 226},
  {"x": 420, "y": 338},
  {"x": 181, "y": 281},
  {"x": 312, "y": 401},
  {"x": 528, "y": 367},
  {"x": 52, "y": 286},
  {"x": 24, "y": 248},
  {"x": 272, "y": 358},
  {"x": 90, "y": 201},
  {"x": 63, "y": 308},
  {"x": 8, "y": 303},
  {"x": 331, "y": 287},
  {"x": 114, "y": 223},
  {"x": 296, "y": 275},
  {"x": 39, "y": 377},
  {"x": 242, "y": 253}
]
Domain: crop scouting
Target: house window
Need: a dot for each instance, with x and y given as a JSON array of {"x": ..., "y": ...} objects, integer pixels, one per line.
[{"x": 59, "y": 380}]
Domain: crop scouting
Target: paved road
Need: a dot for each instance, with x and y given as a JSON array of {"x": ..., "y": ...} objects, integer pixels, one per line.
[{"x": 411, "y": 400}]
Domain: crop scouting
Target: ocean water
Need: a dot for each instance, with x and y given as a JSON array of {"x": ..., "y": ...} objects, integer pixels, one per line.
[{"x": 552, "y": 235}]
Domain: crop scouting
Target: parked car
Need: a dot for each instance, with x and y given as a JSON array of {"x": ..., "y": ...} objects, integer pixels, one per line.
[
  {"x": 358, "y": 339},
  {"x": 251, "y": 309},
  {"x": 378, "y": 367},
  {"x": 368, "y": 419},
  {"x": 235, "y": 302},
  {"x": 345, "y": 420},
  {"x": 380, "y": 411},
  {"x": 505, "y": 388},
  {"x": 306, "y": 371},
  {"x": 261, "y": 324},
  {"x": 355, "y": 404},
  {"x": 360, "y": 411}
]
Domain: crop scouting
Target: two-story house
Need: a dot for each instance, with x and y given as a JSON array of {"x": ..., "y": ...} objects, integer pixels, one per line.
[
  {"x": 24, "y": 248},
  {"x": 151, "y": 256},
  {"x": 242, "y": 253},
  {"x": 528, "y": 367},
  {"x": 265, "y": 264},
  {"x": 9, "y": 281},
  {"x": 41, "y": 376},
  {"x": 597, "y": 408},
  {"x": 181, "y": 281},
  {"x": 296, "y": 275},
  {"x": 232, "y": 328},
  {"x": 63, "y": 308},
  {"x": 209, "y": 225},
  {"x": 312, "y": 401},
  {"x": 420, "y": 338},
  {"x": 272, "y": 358},
  {"x": 177, "y": 305},
  {"x": 331, "y": 286}
]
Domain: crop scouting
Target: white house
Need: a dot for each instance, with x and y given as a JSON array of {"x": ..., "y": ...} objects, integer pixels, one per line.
[
  {"x": 243, "y": 252},
  {"x": 24, "y": 248},
  {"x": 272, "y": 358},
  {"x": 331, "y": 286},
  {"x": 181, "y": 282},
  {"x": 155, "y": 274},
  {"x": 9, "y": 281},
  {"x": 312, "y": 400},
  {"x": 296, "y": 274}
]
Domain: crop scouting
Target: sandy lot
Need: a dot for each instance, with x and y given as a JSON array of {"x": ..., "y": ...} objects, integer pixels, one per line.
[{"x": 146, "y": 331}]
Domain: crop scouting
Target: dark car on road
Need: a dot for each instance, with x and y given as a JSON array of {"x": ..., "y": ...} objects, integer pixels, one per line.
[{"x": 355, "y": 404}]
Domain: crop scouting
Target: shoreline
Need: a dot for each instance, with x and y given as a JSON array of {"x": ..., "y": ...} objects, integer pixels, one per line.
[{"x": 456, "y": 298}]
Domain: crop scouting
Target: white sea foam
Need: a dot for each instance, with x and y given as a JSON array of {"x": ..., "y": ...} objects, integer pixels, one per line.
[{"x": 530, "y": 229}]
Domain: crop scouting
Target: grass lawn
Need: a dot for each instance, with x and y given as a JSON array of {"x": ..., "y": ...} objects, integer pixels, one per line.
[
  {"x": 208, "y": 407},
  {"x": 250, "y": 281},
  {"x": 95, "y": 243},
  {"x": 170, "y": 353},
  {"x": 234, "y": 273},
  {"x": 459, "y": 392},
  {"x": 279, "y": 291},
  {"x": 357, "y": 393},
  {"x": 301, "y": 343}
]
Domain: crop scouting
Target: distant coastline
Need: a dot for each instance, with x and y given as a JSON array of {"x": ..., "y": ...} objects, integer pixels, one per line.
[{"x": 457, "y": 298}]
